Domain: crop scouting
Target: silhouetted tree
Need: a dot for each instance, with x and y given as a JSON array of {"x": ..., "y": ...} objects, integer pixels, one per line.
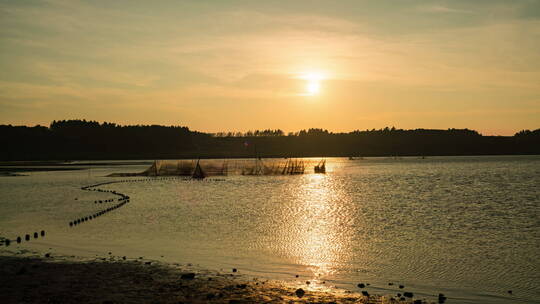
[{"x": 81, "y": 139}]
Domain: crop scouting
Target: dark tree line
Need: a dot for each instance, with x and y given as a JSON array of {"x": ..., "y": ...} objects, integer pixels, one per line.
[{"x": 81, "y": 139}]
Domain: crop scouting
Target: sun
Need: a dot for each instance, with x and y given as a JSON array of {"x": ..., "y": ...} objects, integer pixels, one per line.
[
  {"x": 313, "y": 82},
  {"x": 313, "y": 87}
]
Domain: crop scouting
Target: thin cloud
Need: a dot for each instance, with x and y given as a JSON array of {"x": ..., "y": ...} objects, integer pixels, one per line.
[{"x": 443, "y": 9}]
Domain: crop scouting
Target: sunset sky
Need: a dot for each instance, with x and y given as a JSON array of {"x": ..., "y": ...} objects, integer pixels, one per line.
[{"x": 245, "y": 65}]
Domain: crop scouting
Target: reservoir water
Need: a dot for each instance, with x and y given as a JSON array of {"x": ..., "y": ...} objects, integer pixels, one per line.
[{"x": 468, "y": 227}]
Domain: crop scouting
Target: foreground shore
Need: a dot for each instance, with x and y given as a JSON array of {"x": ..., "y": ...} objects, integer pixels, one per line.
[{"x": 32, "y": 279}]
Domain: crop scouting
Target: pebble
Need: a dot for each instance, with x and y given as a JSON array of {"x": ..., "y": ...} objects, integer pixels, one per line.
[
  {"x": 408, "y": 294},
  {"x": 361, "y": 285},
  {"x": 187, "y": 276},
  {"x": 300, "y": 292}
]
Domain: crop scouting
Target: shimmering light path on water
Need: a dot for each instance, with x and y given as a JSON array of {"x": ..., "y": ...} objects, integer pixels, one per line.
[{"x": 468, "y": 227}]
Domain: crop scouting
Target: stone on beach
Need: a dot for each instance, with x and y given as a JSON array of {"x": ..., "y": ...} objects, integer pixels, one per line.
[{"x": 188, "y": 276}]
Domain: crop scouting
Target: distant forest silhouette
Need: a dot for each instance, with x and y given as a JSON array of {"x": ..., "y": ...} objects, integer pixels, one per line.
[{"x": 81, "y": 139}]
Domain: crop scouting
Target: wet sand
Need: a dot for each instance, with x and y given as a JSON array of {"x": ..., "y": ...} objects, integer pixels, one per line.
[{"x": 34, "y": 279}]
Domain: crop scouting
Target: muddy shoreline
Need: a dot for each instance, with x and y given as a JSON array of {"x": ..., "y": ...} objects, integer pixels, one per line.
[{"x": 29, "y": 278}]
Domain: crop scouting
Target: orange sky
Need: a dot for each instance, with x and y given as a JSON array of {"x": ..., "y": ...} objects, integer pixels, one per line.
[{"x": 245, "y": 65}]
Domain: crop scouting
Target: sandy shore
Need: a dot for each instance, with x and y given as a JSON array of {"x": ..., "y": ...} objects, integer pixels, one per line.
[{"x": 34, "y": 279}]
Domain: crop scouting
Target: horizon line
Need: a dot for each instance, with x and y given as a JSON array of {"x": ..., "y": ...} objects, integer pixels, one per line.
[{"x": 285, "y": 133}]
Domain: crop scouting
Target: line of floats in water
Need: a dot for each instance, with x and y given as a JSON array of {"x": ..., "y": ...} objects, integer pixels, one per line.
[
  {"x": 122, "y": 200},
  {"x": 291, "y": 167}
]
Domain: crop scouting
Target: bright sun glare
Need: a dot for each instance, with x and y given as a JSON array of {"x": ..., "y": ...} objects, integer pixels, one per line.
[
  {"x": 313, "y": 87},
  {"x": 313, "y": 82}
]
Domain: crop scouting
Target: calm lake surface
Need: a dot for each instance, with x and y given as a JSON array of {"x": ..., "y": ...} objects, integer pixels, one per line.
[{"x": 468, "y": 227}]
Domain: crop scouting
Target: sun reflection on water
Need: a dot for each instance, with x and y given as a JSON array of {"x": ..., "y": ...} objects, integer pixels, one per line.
[{"x": 320, "y": 229}]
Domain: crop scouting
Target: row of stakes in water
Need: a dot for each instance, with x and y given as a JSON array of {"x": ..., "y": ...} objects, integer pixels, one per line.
[
  {"x": 26, "y": 238},
  {"x": 89, "y": 188},
  {"x": 184, "y": 178},
  {"x": 100, "y": 213},
  {"x": 124, "y": 199}
]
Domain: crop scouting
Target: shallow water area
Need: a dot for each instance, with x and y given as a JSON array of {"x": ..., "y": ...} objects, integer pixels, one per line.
[{"x": 468, "y": 227}]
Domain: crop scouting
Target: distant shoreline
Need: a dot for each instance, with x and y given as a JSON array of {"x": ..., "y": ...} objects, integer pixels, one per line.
[{"x": 85, "y": 140}]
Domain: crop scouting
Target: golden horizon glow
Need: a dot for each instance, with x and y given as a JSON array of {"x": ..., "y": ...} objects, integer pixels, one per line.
[{"x": 236, "y": 66}]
